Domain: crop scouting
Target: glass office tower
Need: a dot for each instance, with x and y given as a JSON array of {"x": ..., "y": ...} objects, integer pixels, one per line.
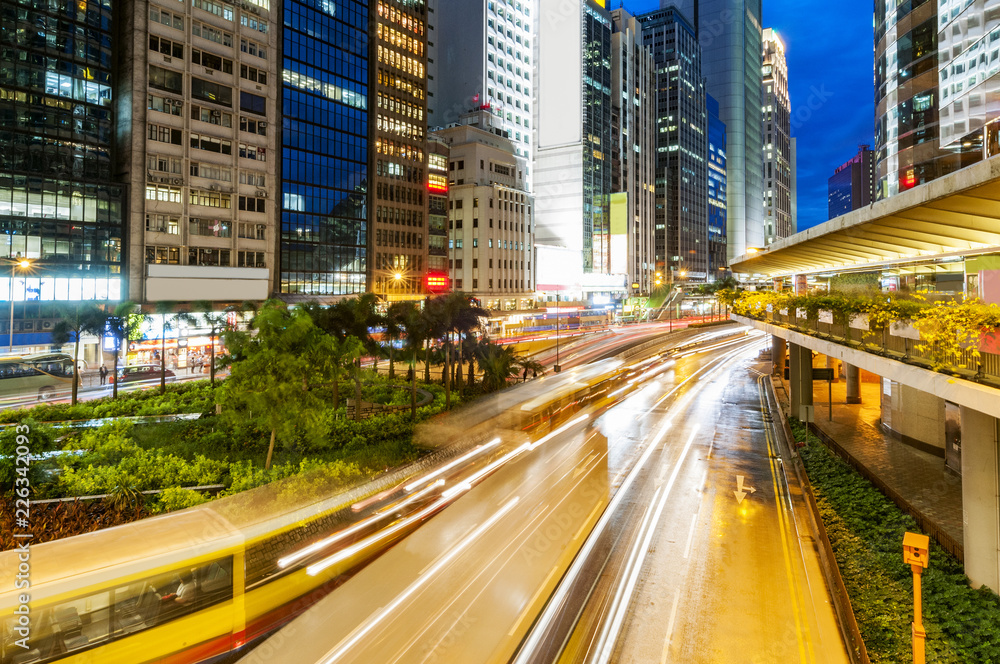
[
  {"x": 596, "y": 140},
  {"x": 59, "y": 207},
  {"x": 324, "y": 161}
]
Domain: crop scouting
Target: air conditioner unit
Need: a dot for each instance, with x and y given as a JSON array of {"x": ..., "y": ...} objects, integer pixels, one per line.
[
  {"x": 216, "y": 114},
  {"x": 178, "y": 180},
  {"x": 47, "y": 324},
  {"x": 177, "y": 102},
  {"x": 213, "y": 187},
  {"x": 255, "y": 9},
  {"x": 167, "y": 58},
  {"x": 261, "y": 193},
  {"x": 262, "y": 125}
]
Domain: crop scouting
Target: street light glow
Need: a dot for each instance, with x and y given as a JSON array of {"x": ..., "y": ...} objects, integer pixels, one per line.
[
  {"x": 25, "y": 264},
  {"x": 397, "y": 276}
]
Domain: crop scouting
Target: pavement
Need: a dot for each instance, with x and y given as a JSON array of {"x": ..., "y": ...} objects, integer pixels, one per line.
[{"x": 919, "y": 477}]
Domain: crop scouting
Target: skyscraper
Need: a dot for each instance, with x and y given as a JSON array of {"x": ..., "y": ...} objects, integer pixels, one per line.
[
  {"x": 633, "y": 178},
  {"x": 481, "y": 57},
  {"x": 729, "y": 32},
  {"x": 852, "y": 186},
  {"x": 682, "y": 233},
  {"x": 60, "y": 206},
  {"x": 325, "y": 148},
  {"x": 718, "y": 263},
  {"x": 572, "y": 118},
  {"x": 776, "y": 129},
  {"x": 397, "y": 224}
]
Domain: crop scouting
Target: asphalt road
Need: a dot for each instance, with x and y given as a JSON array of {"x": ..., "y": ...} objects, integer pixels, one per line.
[{"x": 671, "y": 565}]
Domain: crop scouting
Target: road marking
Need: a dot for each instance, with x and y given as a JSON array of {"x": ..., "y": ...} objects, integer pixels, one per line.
[
  {"x": 740, "y": 493},
  {"x": 694, "y": 522},
  {"x": 531, "y": 602},
  {"x": 670, "y": 626}
]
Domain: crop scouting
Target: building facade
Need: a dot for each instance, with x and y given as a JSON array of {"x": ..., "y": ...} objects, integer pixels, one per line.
[
  {"x": 197, "y": 135},
  {"x": 633, "y": 177},
  {"x": 729, "y": 32},
  {"x": 397, "y": 225},
  {"x": 481, "y": 57},
  {"x": 490, "y": 222},
  {"x": 323, "y": 249},
  {"x": 437, "y": 206},
  {"x": 682, "y": 234},
  {"x": 572, "y": 125},
  {"x": 718, "y": 263},
  {"x": 777, "y": 136},
  {"x": 61, "y": 208},
  {"x": 852, "y": 185}
]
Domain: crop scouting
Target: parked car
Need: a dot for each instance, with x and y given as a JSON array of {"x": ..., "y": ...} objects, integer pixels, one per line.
[{"x": 143, "y": 373}]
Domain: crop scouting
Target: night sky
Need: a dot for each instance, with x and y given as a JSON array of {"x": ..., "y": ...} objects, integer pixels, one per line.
[{"x": 830, "y": 63}]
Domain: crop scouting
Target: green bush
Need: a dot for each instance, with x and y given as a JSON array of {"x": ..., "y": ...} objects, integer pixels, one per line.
[
  {"x": 41, "y": 439},
  {"x": 866, "y": 530},
  {"x": 176, "y": 498}
]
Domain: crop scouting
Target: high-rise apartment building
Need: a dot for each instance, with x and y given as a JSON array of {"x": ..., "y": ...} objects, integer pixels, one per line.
[
  {"x": 490, "y": 224},
  {"x": 729, "y": 32},
  {"x": 572, "y": 123},
  {"x": 196, "y": 148},
  {"x": 397, "y": 226},
  {"x": 633, "y": 177},
  {"x": 60, "y": 207},
  {"x": 481, "y": 57},
  {"x": 325, "y": 147},
  {"x": 777, "y": 135},
  {"x": 718, "y": 263},
  {"x": 852, "y": 186},
  {"x": 437, "y": 206},
  {"x": 682, "y": 234}
]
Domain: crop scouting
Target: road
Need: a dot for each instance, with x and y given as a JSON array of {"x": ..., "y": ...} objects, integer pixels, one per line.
[{"x": 637, "y": 501}]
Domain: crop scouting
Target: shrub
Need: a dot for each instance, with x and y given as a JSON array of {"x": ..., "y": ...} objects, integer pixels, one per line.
[{"x": 176, "y": 498}]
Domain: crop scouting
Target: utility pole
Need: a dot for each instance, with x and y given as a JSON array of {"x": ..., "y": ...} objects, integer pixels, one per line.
[{"x": 916, "y": 555}]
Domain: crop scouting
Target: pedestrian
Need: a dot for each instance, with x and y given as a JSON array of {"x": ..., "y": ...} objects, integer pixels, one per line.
[
  {"x": 525, "y": 377},
  {"x": 534, "y": 373},
  {"x": 104, "y": 374}
]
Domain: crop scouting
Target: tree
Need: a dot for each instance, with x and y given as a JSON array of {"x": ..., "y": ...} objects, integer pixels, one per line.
[
  {"x": 274, "y": 372},
  {"x": 75, "y": 321},
  {"x": 394, "y": 321},
  {"x": 417, "y": 332},
  {"x": 163, "y": 309},
  {"x": 216, "y": 322},
  {"x": 124, "y": 324},
  {"x": 500, "y": 364},
  {"x": 452, "y": 313}
]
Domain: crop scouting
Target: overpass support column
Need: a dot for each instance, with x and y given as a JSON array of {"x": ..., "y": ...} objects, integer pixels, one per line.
[
  {"x": 853, "y": 377},
  {"x": 800, "y": 379},
  {"x": 778, "y": 351},
  {"x": 981, "y": 498}
]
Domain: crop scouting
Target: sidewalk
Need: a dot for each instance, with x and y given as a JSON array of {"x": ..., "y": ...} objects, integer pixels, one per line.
[{"x": 919, "y": 477}]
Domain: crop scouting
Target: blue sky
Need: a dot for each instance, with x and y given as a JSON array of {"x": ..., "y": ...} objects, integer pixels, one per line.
[{"x": 830, "y": 61}]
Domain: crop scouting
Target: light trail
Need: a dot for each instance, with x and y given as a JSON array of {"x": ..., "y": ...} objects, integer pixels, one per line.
[{"x": 465, "y": 457}]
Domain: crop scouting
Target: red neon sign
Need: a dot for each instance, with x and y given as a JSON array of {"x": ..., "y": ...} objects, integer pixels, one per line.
[{"x": 437, "y": 282}]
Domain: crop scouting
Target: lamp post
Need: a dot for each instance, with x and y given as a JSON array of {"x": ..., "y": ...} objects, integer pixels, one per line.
[
  {"x": 556, "y": 366},
  {"x": 16, "y": 263}
]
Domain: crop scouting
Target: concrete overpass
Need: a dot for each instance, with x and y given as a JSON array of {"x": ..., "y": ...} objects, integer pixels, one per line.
[{"x": 948, "y": 226}]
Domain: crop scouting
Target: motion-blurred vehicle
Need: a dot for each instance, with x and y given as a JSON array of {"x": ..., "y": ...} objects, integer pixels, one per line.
[
  {"x": 143, "y": 373},
  {"x": 43, "y": 375}
]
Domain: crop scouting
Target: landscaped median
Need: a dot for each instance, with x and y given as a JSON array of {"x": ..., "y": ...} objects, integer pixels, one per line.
[{"x": 866, "y": 532}]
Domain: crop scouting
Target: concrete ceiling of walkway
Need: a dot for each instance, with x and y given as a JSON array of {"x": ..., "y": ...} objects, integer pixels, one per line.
[{"x": 958, "y": 214}]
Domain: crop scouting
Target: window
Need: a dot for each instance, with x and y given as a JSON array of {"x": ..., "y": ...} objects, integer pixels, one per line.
[
  {"x": 211, "y": 92},
  {"x": 164, "y": 134},
  {"x": 252, "y": 103},
  {"x": 252, "y": 204},
  {"x": 211, "y": 171},
  {"x": 164, "y": 194},
  {"x": 253, "y": 126},
  {"x": 252, "y": 152},
  {"x": 165, "y": 79},
  {"x": 163, "y": 255},
  {"x": 206, "y": 31},
  {"x": 253, "y": 231},
  {"x": 166, "y": 46},
  {"x": 163, "y": 223},
  {"x": 253, "y": 74},
  {"x": 211, "y": 116},
  {"x": 251, "y": 47},
  {"x": 253, "y": 178},
  {"x": 214, "y": 199},
  {"x": 211, "y": 257},
  {"x": 250, "y": 259},
  {"x": 157, "y": 15},
  {"x": 216, "y": 8},
  {"x": 253, "y": 23},
  {"x": 212, "y": 61},
  {"x": 210, "y": 143},
  {"x": 164, "y": 104},
  {"x": 163, "y": 164},
  {"x": 209, "y": 227}
]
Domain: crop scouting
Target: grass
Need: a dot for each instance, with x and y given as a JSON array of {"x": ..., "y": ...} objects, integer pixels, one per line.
[{"x": 866, "y": 530}]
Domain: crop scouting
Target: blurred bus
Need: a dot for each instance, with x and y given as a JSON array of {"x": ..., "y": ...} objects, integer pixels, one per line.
[{"x": 43, "y": 375}]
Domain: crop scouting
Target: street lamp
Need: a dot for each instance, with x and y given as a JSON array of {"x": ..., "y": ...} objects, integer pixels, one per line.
[{"x": 24, "y": 264}]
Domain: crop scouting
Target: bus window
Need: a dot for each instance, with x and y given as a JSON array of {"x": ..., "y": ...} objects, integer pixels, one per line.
[
  {"x": 60, "y": 630},
  {"x": 156, "y": 600}
]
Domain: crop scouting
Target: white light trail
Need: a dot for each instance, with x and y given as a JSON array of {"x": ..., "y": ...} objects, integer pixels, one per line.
[{"x": 465, "y": 457}]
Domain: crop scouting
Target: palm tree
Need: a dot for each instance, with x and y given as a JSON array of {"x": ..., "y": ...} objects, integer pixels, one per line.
[
  {"x": 216, "y": 322},
  {"x": 164, "y": 309},
  {"x": 417, "y": 333},
  {"x": 457, "y": 315},
  {"x": 499, "y": 365},
  {"x": 75, "y": 321},
  {"x": 394, "y": 321},
  {"x": 124, "y": 324}
]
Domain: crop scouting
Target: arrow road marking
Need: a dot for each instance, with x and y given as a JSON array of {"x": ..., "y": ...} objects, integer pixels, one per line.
[{"x": 740, "y": 493}]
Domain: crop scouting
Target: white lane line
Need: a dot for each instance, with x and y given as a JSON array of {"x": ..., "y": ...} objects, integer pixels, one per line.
[
  {"x": 694, "y": 522},
  {"x": 670, "y": 626}
]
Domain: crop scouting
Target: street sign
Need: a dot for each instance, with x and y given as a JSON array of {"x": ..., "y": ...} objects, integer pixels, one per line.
[{"x": 822, "y": 374}]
